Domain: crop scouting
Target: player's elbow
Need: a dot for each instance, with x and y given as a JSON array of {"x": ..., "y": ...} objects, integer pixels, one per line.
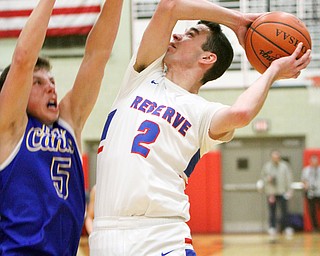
[
  {"x": 22, "y": 59},
  {"x": 242, "y": 117},
  {"x": 98, "y": 58}
]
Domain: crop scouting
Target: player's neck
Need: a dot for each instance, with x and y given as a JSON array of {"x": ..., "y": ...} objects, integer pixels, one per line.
[{"x": 186, "y": 79}]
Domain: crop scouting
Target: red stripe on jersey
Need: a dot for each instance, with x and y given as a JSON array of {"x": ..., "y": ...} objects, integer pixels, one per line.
[
  {"x": 188, "y": 240},
  {"x": 100, "y": 149}
]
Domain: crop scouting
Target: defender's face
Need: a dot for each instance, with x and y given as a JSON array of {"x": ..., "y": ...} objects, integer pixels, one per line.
[
  {"x": 43, "y": 102},
  {"x": 185, "y": 49}
]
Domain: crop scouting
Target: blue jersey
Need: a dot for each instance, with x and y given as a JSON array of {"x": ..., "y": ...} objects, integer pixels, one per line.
[{"x": 42, "y": 193}]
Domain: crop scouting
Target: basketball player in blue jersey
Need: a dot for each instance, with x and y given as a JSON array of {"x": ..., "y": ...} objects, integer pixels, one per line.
[
  {"x": 158, "y": 128},
  {"x": 41, "y": 178}
]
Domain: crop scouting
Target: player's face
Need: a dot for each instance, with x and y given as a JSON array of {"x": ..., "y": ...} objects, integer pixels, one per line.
[
  {"x": 186, "y": 49},
  {"x": 43, "y": 103}
]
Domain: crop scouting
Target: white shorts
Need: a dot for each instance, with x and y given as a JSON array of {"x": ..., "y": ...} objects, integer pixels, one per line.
[{"x": 140, "y": 236}]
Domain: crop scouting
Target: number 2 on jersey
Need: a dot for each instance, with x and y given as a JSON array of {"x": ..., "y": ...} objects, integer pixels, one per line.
[{"x": 149, "y": 133}]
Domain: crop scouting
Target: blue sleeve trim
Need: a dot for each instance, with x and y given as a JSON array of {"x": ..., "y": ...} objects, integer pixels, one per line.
[{"x": 194, "y": 160}]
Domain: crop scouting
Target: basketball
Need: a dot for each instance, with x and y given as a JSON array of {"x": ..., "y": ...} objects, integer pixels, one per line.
[{"x": 274, "y": 35}]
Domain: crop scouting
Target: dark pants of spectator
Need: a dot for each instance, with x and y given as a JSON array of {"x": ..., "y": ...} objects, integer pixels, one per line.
[
  {"x": 283, "y": 204},
  {"x": 313, "y": 204}
]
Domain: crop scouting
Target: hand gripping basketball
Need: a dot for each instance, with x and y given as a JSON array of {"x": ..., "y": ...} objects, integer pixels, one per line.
[{"x": 275, "y": 35}]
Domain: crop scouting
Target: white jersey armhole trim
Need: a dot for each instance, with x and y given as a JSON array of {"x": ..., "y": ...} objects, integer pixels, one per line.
[{"x": 12, "y": 155}]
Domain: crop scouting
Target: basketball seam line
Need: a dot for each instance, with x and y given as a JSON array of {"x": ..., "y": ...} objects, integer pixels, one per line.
[{"x": 277, "y": 22}]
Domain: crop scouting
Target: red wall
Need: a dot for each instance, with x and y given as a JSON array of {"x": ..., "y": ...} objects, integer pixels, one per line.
[
  {"x": 85, "y": 166},
  {"x": 307, "y": 222},
  {"x": 205, "y": 194}
]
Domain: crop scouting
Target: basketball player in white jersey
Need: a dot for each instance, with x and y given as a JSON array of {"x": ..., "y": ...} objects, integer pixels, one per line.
[
  {"x": 41, "y": 178},
  {"x": 158, "y": 128}
]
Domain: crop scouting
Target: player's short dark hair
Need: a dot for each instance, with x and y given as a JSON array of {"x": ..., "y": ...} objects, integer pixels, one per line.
[
  {"x": 217, "y": 43},
  {"x": 42, "y": 63}
]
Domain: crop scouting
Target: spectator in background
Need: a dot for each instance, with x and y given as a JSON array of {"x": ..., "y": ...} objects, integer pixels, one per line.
[
  {"x": 311, "y": 180},
  {"x": 277, "y": 177}
]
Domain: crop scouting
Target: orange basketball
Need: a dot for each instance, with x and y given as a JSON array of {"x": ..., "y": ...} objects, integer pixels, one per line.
[{"x": 274, "y": 35}]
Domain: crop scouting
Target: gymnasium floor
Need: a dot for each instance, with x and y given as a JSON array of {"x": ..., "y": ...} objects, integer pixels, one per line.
[{"x": 301, "y": 244}]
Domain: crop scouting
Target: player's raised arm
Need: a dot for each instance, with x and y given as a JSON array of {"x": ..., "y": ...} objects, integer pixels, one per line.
[
  {"x": 157, "y": 35},
  {"x": 15, "y": 89},
  {"x": 78, "y": 103},
  {"x": 250, "y": 102}
]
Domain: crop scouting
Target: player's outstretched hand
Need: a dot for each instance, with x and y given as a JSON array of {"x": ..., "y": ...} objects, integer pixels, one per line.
[{"x": 291, "y": 66}]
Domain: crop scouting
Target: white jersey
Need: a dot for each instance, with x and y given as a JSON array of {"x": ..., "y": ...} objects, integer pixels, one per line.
[{"x": 154, "y": 130}]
